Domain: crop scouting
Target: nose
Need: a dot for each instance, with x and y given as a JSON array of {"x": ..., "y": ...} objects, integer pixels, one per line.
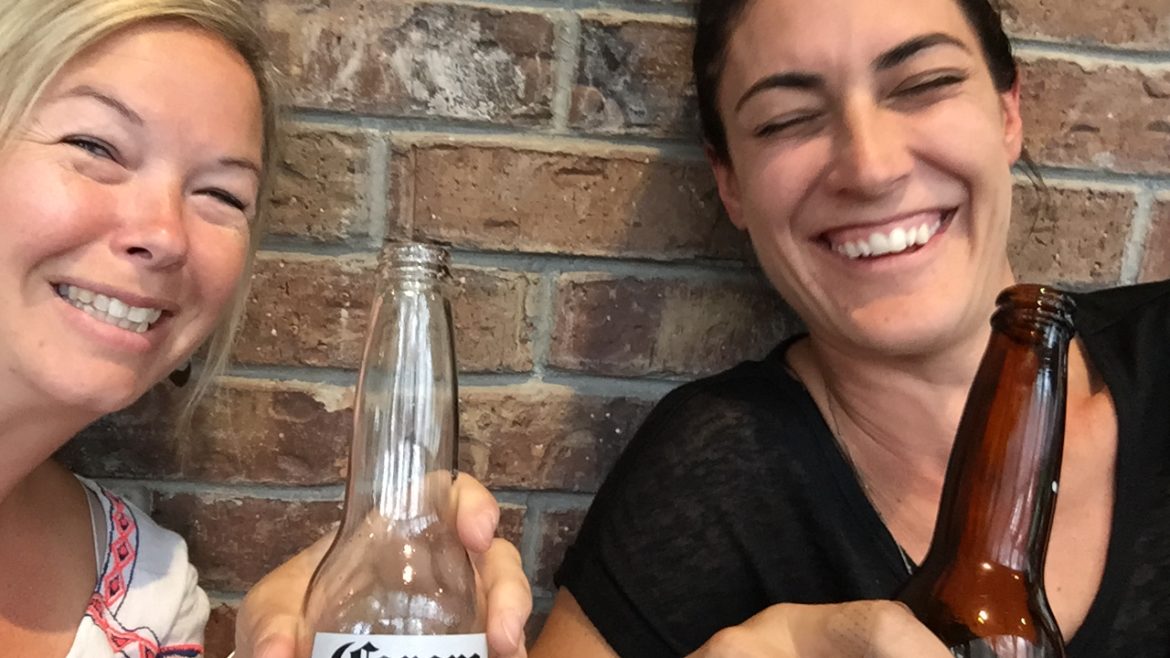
[
  {"x": 153, "y": 230},
  {"x": 871, "y": 157}
]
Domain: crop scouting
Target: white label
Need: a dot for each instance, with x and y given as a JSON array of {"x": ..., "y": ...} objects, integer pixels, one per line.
[{"x": 339, "y": 645}]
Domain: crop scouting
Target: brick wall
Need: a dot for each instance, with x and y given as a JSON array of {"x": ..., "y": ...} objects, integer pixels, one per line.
[{"x": 552, "y": 143}]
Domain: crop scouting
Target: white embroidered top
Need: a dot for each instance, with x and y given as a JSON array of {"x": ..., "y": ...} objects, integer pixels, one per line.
[{"x": 146, "y": 603}]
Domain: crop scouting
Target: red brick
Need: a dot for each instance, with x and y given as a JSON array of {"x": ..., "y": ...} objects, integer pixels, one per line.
[
  {"x": 138, "y": 442},
  {"x": 1128, "y": 23},
  {"x": 412, "y": 59},
  {"x": 635, "y": 327},
  {"x": 321, "y": 185},
  {"x": 307, "y": 310},
  {"x": 314, "y": 311},
  {"x": 634, "y": 77},
  {"x": 1111, "y": 117},
  {"x": 1156, "y": 264},
  {"x": 557, "y": 531},
  {"x": 611, "y": 202},
  {"x": 235, "y": 541},
  {"x": 245, "y": 430},
  {"x": 1073, "y": 236},
  {"x": 511, "y": 525},
  {"x": 539, "y": 436},
  {"x": 271, "y": 432},
  {"x": 220, "y": 640},
  {"x": 494, "y": 317}
]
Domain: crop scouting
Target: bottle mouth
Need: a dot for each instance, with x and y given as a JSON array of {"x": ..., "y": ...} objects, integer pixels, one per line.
[
  {"x": 1038, "y": 305},
  {"x": 417, "y": 259}
]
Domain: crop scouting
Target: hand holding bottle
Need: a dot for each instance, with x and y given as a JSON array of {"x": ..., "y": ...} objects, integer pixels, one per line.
[
  {"x": 859, "y": 629},
  {"x": 397, "y": 577},
  {"x": 267, "y": 622}
]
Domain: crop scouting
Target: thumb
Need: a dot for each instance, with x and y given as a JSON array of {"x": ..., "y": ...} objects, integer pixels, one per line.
[
  {"x": 280, "y": 642},
  {"x": 268, "y": 620}
]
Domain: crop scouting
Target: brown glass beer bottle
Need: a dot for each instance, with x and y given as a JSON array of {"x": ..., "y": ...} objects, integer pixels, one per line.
[{"x": 981, "y": 586}]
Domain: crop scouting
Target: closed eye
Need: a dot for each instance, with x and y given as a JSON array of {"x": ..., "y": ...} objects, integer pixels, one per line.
[
  {"x": 931, "y": 84},
  {"x": 93, "y": 146},
  {"x": 227, "y": 198},
  {"x": 787, "y": 126}
]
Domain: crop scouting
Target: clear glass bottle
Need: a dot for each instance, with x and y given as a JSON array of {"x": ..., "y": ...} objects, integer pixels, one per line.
[
  {"x": 981, "y": 585},
  {"x": 397, "y": 582}
]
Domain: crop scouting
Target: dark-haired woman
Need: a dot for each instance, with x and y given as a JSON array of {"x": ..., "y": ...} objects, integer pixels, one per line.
[{"x": 866, "y": 147}]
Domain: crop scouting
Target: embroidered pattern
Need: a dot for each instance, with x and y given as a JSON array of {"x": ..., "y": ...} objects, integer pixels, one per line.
[{"x": 113, "y": 583}]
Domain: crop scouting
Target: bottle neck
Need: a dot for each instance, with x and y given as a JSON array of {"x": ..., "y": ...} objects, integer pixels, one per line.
[
  {"x": 405, "y": 416},
  {"x": 1001, "y": 482}
]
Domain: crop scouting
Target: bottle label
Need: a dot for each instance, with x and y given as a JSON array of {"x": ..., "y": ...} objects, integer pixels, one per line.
[{"x": 341, "y": 645}]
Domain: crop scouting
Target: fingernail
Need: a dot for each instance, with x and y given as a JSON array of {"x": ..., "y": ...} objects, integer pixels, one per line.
[
  {"x": 485, "y": 529},
  {"x": 274, "y": 647},
  {"x": 264, "y": 649},
  {"x": 511, "y": 634}
]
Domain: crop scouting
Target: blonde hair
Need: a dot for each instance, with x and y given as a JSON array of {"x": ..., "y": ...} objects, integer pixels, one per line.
[{"x": 40, "y": 37}]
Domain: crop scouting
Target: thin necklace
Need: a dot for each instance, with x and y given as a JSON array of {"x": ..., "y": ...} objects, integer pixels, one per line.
[{"x": 839, "y": 442}]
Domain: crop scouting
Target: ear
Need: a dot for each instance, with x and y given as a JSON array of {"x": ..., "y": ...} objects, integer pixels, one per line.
[
  {"x": 728, "y": 186},
  {"x": 1013, "y": 123}
]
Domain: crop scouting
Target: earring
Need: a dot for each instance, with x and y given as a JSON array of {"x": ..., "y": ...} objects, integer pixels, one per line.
[{"x": 181, "y": 376}]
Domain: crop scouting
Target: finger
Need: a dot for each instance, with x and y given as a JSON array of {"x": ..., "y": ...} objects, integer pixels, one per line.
[
  {"x": 746, "y": 641},
  {"x": 279, "y": 645},
  {"x": 266, "y": 626},
  {"x": 881, "y": 629},
  {"x": 476, "y": 513},
  {"x": 509, "y": 597}
]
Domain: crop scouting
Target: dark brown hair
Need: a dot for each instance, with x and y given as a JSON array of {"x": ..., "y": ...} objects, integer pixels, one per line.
[{"x": 715, "y": 20}]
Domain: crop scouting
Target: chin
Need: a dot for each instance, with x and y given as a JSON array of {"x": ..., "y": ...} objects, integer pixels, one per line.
[
  {"x": 909, "y": 330},
  {"x": 97, "y": 395}
]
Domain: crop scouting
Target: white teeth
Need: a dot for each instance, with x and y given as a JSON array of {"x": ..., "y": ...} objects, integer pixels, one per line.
[
  {"x": 110, "y": 310},
  {"x": 118, "y": 309},
  {"x": 894, "y": 242},
  {"x": 898, "y": 240},
  {"x": 924, "y": 234}
]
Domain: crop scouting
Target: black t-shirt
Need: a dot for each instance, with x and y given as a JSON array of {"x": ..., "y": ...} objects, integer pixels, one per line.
[{"x": 733, "y": 497}]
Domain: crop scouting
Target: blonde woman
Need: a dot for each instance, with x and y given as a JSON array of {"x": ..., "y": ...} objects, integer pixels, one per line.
[{"x": 136, "y": 138}]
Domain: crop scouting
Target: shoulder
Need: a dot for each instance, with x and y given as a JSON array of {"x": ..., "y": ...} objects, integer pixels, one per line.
[
  {"x": 708, "y": 443},
  {"x": 147, "y": 589},
  {"x": 1102, "y": 310},
  {"x": 751, "y": 396}
]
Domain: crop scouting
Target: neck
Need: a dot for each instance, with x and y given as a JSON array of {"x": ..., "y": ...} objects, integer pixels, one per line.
[
  {"x": 29, "y": 435},
  {"x": 906, "y": 408}
]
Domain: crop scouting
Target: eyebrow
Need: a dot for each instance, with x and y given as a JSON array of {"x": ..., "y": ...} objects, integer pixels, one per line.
[
  {"x": 241, "y": 163},
  {"x": 86, "y": 91},
  {"x": 887, "y": 60},
  {"x": 900, "y": 53}
]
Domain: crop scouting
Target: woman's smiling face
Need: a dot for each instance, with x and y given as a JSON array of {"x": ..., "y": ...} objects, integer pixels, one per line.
[
  {"x": 126, "y": 200},
  {"x": 869, "y": 160}
]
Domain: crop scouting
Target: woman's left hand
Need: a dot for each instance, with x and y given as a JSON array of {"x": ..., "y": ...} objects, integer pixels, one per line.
[{"x": 266, "y": 625}]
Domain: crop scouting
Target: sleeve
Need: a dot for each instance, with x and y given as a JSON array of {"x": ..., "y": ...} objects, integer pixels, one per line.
[
  {"x": 181, "y": 608},
  {"x": 164, "y": 609},
  {"x": 661, "y": 561}
]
